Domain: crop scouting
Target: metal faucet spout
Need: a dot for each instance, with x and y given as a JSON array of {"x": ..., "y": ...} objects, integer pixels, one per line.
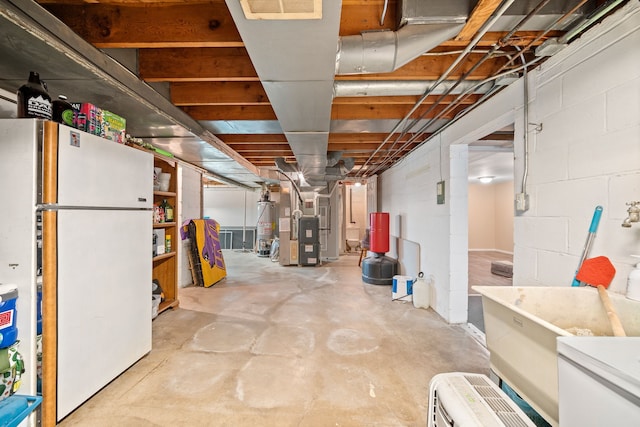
[{"x": 634, "y": 214}]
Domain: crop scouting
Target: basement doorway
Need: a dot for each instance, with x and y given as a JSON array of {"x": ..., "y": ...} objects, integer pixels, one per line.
[
  {"x": 490, "y": 217},
  {"x": 354, "y": 218}
]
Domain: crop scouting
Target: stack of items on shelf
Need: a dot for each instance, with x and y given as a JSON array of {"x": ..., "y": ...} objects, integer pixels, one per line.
[
  {"x": 34, "y": 101},
  {"x": 14, "y": 408},
  {"x": 162, "y": 212},
  {"x": 96, "y": 121},
  {"x": 11, "y": 363}
]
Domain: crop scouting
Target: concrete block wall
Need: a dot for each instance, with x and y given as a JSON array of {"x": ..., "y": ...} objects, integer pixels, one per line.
[
  {"x": 408, "y": 192},
  {"x": 587, "y": 153},
  {"x": 587, "y": 100},
  {"x": 458, "y": 233}
]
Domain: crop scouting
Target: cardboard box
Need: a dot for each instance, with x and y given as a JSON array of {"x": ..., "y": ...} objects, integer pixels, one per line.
[
  {"x": 87, "y": 117},
  {"x": 113, "y": 127},
  {"x": 402, "y": 288},
  {"x": 159, "y": 241}
]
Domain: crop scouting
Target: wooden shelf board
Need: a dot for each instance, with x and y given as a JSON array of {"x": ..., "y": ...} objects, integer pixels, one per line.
[
  {"x": 164, "y": 256},
  {"x": 167, "y": 304},
  {"x": 163, "y": 224}
]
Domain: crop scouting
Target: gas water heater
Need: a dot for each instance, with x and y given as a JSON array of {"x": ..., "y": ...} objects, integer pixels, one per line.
[{"x": 266, "y": 225}]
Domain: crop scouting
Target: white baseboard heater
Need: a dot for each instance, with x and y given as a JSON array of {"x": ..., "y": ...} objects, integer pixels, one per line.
[{"x": 459, "y": 399}]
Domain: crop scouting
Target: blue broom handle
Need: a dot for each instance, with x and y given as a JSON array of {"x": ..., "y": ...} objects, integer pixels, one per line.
[
  {"x": 592, "y": 232},
  {"x": 595, "y": 220}
]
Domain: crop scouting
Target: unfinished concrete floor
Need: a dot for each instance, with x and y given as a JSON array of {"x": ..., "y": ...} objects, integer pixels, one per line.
[{"x": 286, "y": 346}]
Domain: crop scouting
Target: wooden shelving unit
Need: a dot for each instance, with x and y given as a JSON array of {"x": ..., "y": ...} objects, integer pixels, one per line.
[{"x": 165, "y": 266}]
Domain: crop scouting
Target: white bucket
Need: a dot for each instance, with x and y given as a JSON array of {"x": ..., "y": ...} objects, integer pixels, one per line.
[
  {"x": 163, "y": 180},
  {"x": 402, "y": 288}
]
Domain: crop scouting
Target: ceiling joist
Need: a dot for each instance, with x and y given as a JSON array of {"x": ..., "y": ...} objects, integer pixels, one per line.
[{"x": 195, "y": 49}]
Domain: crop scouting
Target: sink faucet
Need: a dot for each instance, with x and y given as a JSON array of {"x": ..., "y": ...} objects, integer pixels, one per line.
[{"x": 634, "y": 214}]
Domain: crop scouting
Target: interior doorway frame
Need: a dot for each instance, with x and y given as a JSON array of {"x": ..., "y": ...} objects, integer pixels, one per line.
[{"x": 459, "y": 190}]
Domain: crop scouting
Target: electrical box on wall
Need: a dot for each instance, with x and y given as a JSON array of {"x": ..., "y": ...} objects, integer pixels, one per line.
[
  {"x": 522, "y": 202},
  {"x": 440, "y": 192}
]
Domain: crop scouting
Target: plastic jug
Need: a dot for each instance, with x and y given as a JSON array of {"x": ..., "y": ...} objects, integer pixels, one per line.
[
  {"x": 421, "y": 292},
  {"x": 33, "y": 99},
  {"x": 633, "y": 282}
]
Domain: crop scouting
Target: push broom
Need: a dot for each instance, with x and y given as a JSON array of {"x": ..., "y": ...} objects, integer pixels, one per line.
[{"x": 599, "y": 272}]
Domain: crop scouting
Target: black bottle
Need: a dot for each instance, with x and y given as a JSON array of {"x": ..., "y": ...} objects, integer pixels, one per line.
[
  {"x": 63, "y": 111},
  {"x": 33, "y": 99}
]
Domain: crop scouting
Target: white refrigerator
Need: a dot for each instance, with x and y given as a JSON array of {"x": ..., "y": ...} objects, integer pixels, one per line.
[{"x": 78, "y": 219}]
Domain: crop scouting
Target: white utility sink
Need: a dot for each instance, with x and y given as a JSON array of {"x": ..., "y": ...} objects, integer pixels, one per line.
[{"x": 521, "y": 327}]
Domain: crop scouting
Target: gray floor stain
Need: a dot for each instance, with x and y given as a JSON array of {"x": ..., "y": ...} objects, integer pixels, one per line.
[
  {"x": 270, "y": 382},
  {"x": 223, "y": 337},
  {"x": 350, "y": 341},
  {"x": 281, "y": 340}
]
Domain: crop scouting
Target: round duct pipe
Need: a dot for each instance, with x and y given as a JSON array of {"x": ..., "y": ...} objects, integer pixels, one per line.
[
  {"x": 386, "y": 51},
  {"x": 403, "y": 87}
]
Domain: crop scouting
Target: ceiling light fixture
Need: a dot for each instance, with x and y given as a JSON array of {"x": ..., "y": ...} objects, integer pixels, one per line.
[
  {"x": 357, "y": 184},
  {"x": 486, "y": 179}
]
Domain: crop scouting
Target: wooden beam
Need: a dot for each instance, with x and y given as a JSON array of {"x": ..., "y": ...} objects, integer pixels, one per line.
[
  {"x": 353, "y": 148},
  {"x": 234, "y": 64},
  {"x": 271, "y": 150},
  {"x": 252, "y": 93},
  {"x": 498, "y": 137},
  {"x": 265, "y": 148},
  {"x": 358, "y": 137},
  {"x": 334, "y": 138},
  {"x": 140, "y": 24},
  {"x": 480, "y": 14},
  {"x": 358, "y": 16},
  {"x": 338, "y": 112},
  {"x": 230, "y": 139},
  {"x": 521, "y": 38},
  {"x": 359, "y": 157},
  {"x": 378, "y": 112},
  {"x": 196, "y": 64},
  {"x": 135, "y": 24},
  {"x": 218, "y": 93},
  {"x": 265, "y": 155},
  {"x": 431, "y": 67},
  {"x": 401, "y": 100},
  {"x": 231, "y": 112}
]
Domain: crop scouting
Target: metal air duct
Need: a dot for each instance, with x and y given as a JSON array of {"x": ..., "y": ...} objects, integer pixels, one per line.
[
  {"x": 386, "y": 51},
  {"x": 403, "y": 87}
]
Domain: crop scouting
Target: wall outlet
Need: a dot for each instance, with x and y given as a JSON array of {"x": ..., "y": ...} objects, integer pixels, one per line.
[{"x": 522, "y": 202}]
